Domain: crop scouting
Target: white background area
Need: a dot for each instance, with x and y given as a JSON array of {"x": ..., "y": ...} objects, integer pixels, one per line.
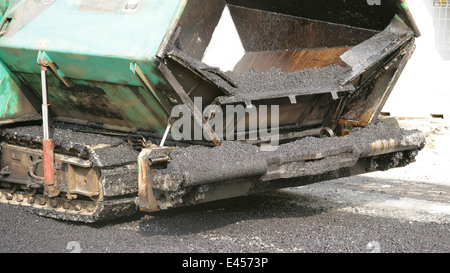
[{"x": 424, "y": 87}]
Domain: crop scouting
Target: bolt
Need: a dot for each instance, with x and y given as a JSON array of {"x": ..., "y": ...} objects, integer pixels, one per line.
[
  {"x": 91, "y": 208},
  {"x": 78, "y": 207},
  {"x": 9, "y": 196},
  {"x": 66, "y": 205},
  {"x": 42, "y": 201},
  {"x": 19, "y": 198},
  {"x": 53, "y": 203},
  {"x": 30, "y": 199}
]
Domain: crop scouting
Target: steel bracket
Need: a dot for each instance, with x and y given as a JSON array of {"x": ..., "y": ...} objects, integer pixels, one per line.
[
  {"x": 146, "y": 83},
  {"x": 150, "y": 159},
  {"x": 44, "y": 60},
  {"x": 195, "y": 112}
]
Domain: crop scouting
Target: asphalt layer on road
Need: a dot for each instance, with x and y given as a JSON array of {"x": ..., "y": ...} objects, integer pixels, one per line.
[{"x": 402, "y": 210}]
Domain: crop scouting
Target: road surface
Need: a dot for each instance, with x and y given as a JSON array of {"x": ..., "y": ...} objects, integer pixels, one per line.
[{"x": 402, "y": 210}]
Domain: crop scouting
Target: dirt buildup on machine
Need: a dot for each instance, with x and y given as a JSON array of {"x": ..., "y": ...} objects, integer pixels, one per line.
[
  {"x": 270, "y": 83},
  {"x": 359, "y": 139},
  {"x": 114, "y": 151},
  {"x": 274, "y": 82},
  {"x": 202, "y": 162},
  {"x": 199, "y": 165}
]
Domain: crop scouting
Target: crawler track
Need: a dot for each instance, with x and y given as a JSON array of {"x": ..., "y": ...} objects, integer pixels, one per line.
[{"x": 113, "y": 165}]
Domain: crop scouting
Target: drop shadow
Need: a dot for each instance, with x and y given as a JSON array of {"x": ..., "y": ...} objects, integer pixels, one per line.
[
  {"x": 214, "y": 215},
  {"x": 299, "y": 202}
]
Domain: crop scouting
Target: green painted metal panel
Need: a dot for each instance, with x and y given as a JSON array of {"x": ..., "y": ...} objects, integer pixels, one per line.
[
  {"x": 9, "y": 95},
  {"x": 87, "y": 41},
  {"x": 4, "y": 4},
  {"x": 126, "y": 106},
  {"x": 93, "y": 42},
  {"x": 13, "y": 102}
]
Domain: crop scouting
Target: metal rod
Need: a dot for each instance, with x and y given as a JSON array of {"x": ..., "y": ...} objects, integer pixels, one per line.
[
  {"x": 163, "y": 141},
  {"x": 47, "y": 143},
  {"x": 196, "y": 113},
  {"x": 45, "y": 117},
  {"x": 150, "y": 88}
]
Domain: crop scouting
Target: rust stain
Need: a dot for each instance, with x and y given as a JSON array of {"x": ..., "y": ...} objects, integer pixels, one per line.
[
  {"x": 291, "y": 61},
  {"x": 354, "y": 123},
  {"x": 48, "y": 157}
]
